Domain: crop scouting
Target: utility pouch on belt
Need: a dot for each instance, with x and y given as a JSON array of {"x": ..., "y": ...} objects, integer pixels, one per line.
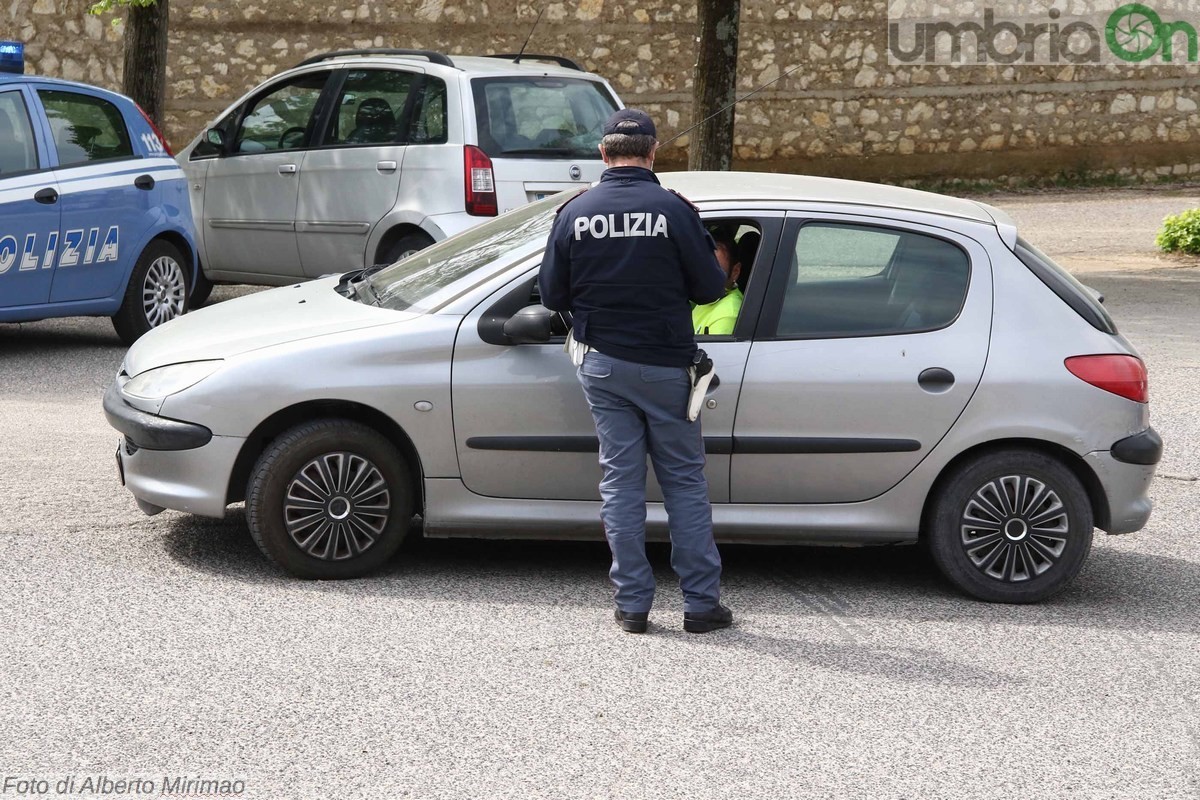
[
  {"x": 575, "y": 349},
  {"x": 701, "y": 375}
]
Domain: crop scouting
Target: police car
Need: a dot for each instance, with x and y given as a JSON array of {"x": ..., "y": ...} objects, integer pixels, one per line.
[{"x": 94, "y": 212}]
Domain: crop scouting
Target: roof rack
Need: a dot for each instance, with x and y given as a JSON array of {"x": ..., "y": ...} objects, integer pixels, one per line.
[
  {"x": 518, "y": 57},
  {"x": 433, "y": 56}
]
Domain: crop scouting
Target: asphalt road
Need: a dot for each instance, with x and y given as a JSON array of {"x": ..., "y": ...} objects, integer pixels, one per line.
[{"x": 167, "y": 646}]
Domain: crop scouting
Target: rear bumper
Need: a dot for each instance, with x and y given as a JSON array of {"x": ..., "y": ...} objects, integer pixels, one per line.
[
  {"x": 1143, "y": 448},
  {"x": 1126, "y": 487}
]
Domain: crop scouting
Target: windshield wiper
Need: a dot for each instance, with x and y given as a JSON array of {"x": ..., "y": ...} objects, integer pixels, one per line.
[{"x": 353, "y": 281}]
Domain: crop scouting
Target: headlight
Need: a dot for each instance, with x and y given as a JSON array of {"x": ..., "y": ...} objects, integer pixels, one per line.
[{"x": 154, "y": 384}]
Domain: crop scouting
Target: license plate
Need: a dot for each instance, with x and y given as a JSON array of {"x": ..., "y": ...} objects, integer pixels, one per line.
[{"x": 120, "y": 464}]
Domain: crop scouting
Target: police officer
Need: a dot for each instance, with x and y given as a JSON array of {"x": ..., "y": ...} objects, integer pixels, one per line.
[{"x": 625, "y": 258}]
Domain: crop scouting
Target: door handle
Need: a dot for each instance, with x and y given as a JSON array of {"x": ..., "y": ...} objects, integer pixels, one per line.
[
  {"x": 46, "y": 196},
  {"x": 936, "y": 380},
  {"x": 287, "y": 169},
  {"x": 386, "y": 166},
  {"x": 144, "y": 182}
]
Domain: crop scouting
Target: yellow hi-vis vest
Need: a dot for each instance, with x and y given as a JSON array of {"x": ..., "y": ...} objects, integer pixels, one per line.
[{"x": 717, "y": 318}]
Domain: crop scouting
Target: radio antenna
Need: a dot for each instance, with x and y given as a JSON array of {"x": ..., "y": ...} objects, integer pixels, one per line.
[
  {"x": 517, "y": 60},
  {"x": 731, "y": 105}
]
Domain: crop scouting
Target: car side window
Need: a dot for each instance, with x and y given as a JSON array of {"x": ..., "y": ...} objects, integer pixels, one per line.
[
  {"x": 428, "y": 125},
  {"x": 85, "y": 128},
  {"x": 18, "y": 150},
  {"x": 281, "y": 119},
  {"x": 370, "y": 107},
  {"x": 737, "y": 243},
  {"x": 858, "y": 280}
]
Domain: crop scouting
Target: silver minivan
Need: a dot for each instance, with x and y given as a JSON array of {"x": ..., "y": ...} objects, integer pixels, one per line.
[{"x": 362, "y": 157}]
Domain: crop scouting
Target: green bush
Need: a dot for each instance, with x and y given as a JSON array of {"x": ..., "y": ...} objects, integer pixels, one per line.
[{"x": 1181, "y": 232}]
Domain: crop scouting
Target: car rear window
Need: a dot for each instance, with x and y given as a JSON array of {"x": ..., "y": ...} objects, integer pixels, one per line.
[
  {"x": 1065, "y": 285},
  {"x": 540, "y": 117}
]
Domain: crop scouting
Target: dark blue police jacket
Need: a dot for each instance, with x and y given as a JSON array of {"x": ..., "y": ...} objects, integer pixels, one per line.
[{"x": 625, "y": 258}]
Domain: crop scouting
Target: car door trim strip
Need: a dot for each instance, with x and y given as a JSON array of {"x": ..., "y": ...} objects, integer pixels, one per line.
[
  {"x": 713, "y": 445},
  {"x": 809, "y": 445}
]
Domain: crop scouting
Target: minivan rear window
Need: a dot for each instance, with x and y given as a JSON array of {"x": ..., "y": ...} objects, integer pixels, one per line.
[
  {"x": 1065, "y": 285},
  {"x": 540, "y": 116}
]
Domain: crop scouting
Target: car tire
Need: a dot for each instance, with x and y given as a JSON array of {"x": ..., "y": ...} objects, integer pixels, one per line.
[
  {"x": 200, "y": 291},
  {"x": 405, "y": 246},
  {"x": 1013, "y": 526},
  {"x": 329, "y": 499},
  {"x": 157, "y": 291}
]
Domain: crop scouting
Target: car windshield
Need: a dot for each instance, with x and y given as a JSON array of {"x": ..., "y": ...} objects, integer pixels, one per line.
[
  {"x": 540, "y": 117},
  {"x": 431, "y": 277}
]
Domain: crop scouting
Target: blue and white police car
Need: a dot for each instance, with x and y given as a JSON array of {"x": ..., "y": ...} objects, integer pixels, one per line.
[{"x": 94, "y": 212}]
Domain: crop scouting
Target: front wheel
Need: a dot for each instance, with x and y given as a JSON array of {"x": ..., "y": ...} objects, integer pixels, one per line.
[
  {"x": 329, "y": 499},
  {"x": 1011, "y": 527},
  {"x": 157, "y": 291}
]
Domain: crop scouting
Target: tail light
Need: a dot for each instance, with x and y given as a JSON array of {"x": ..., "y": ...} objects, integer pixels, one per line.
[
  {"x": 162, "y": 140},
  {"x": 1121, "y": 375},
  {"x": 479, "y": 183}
]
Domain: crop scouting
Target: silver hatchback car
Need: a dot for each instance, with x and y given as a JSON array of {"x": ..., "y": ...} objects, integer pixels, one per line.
[{"x": 904, "y": 368}]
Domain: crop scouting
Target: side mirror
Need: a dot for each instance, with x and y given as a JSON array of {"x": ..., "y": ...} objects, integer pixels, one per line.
[
  {"x": 530, "y": 325},
  {"x": 215, "y": 137}
]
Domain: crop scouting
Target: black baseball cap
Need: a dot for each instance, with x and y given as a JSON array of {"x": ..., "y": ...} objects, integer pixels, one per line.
[{"x": 631, "y": 122}]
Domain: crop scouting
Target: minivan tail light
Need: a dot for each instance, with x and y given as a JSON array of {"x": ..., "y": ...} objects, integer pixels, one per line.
[
  {"x": 479, "y": 183},
  {"x": 162, "y": 140},
  {"x": 1121, "y": 375}
]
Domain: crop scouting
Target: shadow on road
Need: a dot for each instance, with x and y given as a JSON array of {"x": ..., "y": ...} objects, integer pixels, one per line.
[{"x": 1117, "y": 590}]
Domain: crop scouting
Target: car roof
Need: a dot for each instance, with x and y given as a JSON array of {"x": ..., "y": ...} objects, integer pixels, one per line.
[
  {"x": 6, "y": 79},
  {"x": 700, "y": 187}
]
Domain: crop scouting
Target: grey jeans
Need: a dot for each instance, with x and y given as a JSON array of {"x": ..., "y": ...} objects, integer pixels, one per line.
[{"x": 640, "y": 409}]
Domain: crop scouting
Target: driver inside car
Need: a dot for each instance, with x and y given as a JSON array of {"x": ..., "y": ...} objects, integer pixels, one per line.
[{"x": 718, "y": 318}]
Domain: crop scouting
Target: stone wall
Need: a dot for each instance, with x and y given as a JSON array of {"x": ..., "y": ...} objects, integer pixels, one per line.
[{"x": 844, "y": 111}]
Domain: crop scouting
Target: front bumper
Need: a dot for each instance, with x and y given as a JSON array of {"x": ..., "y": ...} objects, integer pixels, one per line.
[
  {"x": 167, "y": 463},
  {"x": 150, "y": 431}
]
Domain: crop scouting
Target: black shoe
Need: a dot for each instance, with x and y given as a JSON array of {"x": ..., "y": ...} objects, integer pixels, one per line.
[
  {"x": 705, "y": 621},
  {"x": 631, "y": 621}
]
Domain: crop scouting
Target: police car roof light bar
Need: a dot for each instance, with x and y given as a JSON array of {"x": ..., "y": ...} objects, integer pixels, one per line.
[
  {"x": 731, "y": 105},
  {"x": 12, "y": 58}
]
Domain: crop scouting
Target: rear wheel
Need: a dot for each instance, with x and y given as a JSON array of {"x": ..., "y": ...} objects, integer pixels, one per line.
[
  {"x": 329, "y": 499},
  {"x": 157, "y": 291},
  {"x": 1011, "y": 527},
  {"x": 405, "y": 246}
]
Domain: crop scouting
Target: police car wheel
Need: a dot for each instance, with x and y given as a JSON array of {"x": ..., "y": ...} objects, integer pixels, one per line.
[
  {"x": 157, "y": 291},
  {"x": 329, "y": 499},
  {"x": 405, "y": 246}
]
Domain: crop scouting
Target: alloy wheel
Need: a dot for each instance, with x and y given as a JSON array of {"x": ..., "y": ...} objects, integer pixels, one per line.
[
  {"x": 164, "y": 291},
  {"x": 336, "y": 506},
  {"x": 1014, "y": 528}
]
